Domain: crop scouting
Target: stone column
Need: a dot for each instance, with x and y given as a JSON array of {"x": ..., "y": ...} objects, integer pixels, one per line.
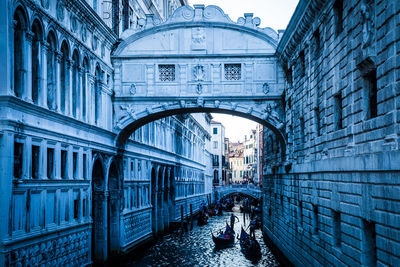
[
  {"x": 68, "y": 106},
  {"x": 43, "y": 160},
  {"x": 57, "y": 161},
  {"x": 27, "y": 158},
  {"x": 58, "y": 56},
  {"x": 90, "y": 98},
  {"x": 27, "y": 94},
  {"x": 43, "y": 75},
  {"x": 79, "y": 113}
]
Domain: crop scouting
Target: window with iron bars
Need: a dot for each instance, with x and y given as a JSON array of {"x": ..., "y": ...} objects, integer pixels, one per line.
[
  {"x": 166, "y": 73},
  {"x": 233, "y": 72}
]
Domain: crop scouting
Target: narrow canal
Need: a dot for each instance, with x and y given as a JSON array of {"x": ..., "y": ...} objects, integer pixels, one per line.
[{"x": 196, "y": 248}]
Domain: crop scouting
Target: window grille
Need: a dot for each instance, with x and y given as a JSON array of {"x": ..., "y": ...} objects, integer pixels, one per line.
[
  {"x": 166, "y": 73},
  {"x": 233, "y": 72}
]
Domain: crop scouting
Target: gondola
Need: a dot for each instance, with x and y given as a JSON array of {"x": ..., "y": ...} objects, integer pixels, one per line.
[
  {"x": 250, "y": 247},
  {"x": 224, "y": 239},
  {"x": 202, "y": 219}
]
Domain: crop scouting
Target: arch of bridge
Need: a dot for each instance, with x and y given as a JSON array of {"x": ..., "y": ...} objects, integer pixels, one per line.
[
  {"x": 197, "y": 44},
  {"x": 224, "y": 191}
]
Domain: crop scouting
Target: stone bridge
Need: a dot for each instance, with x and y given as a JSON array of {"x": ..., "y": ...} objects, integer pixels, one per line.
[
  {"x": 197, "y": 61},
  {"x": 248, "y": 190}
]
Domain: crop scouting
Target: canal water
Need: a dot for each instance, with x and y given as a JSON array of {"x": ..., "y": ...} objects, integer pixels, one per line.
[{"x": 196, "y": 248}]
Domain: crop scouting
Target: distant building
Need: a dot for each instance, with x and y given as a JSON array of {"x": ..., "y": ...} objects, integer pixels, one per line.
[
  {"x": 236, "y": 162},
  {"x": 250, "y": 155},
  {"x": 218, "y": 153}
]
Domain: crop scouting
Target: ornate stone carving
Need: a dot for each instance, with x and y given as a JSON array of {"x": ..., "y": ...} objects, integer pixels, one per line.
[
  {"x": 265, "y": 88},
  {"x": 200, "y": 102},
  {"x": 45, "y": 3},
  {"x": 217, "y": 103},
  {"x": 199, "y": 73},
  {"x": 71, "y": 249},
  {"x": 199, "y": 88},
  {"x": 84, "y": 33},
  {"x": 129, "y": 112},
  {"x": 103, "y": 49},
  {"x": 182, "y": 103},
  {"x": 136, "y": 225},
  {"x": 272, "y": 114},
  {"x": 132, "y": 89},
  {"x": 95, "y": 42},
  {"x": 367, "y": 23},
  {"x": 74, "y": 23},
  {"x": 198, "y": 39},
  {"x": 60, "y": 10}
]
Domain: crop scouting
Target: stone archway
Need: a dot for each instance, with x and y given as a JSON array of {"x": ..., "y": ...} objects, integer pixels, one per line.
[
  {"x": 198, "y": 60},
  {"x": 166, "y": 200},
  {"x": 113, "y": 212},
  {"x": 99, "y": 213}
]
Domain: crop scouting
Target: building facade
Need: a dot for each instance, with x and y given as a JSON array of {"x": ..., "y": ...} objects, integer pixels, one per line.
[
  {"x": 68, "y": 196},
  {"x": 218, "y": 152},
  {"x": 236, "y": 162},
  {"x": 250, "y": 152},
  {"x": 331, "y": 197}
]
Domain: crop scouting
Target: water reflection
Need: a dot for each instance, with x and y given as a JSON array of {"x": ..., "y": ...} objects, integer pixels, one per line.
[{"x": 196, "y": 248}]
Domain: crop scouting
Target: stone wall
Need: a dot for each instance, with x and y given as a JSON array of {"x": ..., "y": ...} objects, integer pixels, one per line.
[{"x": 334, "y": 200}]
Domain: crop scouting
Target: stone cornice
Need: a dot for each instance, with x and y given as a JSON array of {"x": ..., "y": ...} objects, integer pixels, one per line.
[
  {"x": 300, "y": 23},
  {"x": 85, "y": 12}
]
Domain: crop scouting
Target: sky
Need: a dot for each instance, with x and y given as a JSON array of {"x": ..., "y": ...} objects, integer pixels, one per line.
[{"x": 273, "y": 13}]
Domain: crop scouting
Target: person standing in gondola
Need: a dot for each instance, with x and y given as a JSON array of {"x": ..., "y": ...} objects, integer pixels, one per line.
[
  {"x": 233, "y": 217},
  {"x": 252, "y": 227}
]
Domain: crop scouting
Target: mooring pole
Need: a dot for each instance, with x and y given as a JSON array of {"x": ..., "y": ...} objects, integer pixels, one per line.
[
  {"x": 182, "y": 217},
  {"x": 191, "y": 217}
]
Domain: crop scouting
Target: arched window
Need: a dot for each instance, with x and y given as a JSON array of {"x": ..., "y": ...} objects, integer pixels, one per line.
[
  {"x": 75, "y": 84},
  {"x": 19, "y": 40},
  {"x": 36, "y": 60},
  {"x": 64, "y": 77},
  {"x": 51, "y": 71},
  {"x": 85, "y": 66},
  {"x": 97, "y": 95}
]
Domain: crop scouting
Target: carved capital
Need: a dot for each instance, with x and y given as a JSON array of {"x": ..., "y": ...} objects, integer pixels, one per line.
[
  {"x": 29, "y": 36},
  {"x": 59, "y": 55}
]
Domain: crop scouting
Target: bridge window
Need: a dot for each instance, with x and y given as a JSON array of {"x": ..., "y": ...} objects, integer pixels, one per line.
[
  {"x": 166, "y": 73},
  {"x": 233, "y": 72},
  {"x": 215, "y": 130}
]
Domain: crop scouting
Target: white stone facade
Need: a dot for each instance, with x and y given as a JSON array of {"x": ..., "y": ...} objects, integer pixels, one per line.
[{"x": 63, "y": 185}]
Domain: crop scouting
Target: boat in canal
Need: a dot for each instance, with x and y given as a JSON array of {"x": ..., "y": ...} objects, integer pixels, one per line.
[
  {"x": 202, "y": 219},
  {"x": 250, "y": 246},
  {"x": 224, "y": 239}
]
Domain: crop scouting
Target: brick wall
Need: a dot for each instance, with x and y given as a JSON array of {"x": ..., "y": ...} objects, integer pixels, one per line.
[{"x": 335, "y": 199}]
